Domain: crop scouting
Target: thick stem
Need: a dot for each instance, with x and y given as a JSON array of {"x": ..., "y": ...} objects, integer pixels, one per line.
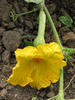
[
  {"x": 39, "y": 40},
  {"x": 53, "y": 27},
  {"x": 42, "y": 21}
]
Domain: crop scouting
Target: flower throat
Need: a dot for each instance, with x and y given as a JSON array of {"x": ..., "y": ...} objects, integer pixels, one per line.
[{"x": 37, "y": 60}]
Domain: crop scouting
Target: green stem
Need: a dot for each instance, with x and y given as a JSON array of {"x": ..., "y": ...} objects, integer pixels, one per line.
[
  {"x": 34, "y": 10},
  {"x": 28, "y": 36},
  {"x": 15, "y": 16},
  {"x": 60, "y": 95},
  {"x": 53, "y": 27}
]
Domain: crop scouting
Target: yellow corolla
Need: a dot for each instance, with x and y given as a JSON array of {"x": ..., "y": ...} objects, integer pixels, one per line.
[{"x": 37, "y": 66}]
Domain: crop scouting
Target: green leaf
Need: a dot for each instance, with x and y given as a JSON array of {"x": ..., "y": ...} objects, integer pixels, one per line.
[
  {"x": 66, "y": 20},
  {"x": 29, "y": 43},
  {"x": 34, "y": 1}
]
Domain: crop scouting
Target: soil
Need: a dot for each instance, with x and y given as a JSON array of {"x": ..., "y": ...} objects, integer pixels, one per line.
[{"x": 11, "y": 33}]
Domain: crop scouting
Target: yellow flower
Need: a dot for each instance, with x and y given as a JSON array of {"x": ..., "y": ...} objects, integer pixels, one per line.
[{"x": 37, "y": 66}]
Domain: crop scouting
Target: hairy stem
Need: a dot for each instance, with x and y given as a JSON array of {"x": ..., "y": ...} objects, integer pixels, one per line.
[
  {"x": 53, "y": 27},
  {"x": 60, "y": 95}
]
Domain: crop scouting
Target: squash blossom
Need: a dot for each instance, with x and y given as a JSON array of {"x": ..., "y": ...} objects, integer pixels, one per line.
[{"x": 37, "y": 66}]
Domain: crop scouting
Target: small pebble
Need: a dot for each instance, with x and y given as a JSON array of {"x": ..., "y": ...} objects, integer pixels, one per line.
[
  {"x": 3, "y": 92},
  {"x": 29, "y": 24},
  {"x": 42, "y": 94},
  {"x": 50, "y": 94}
]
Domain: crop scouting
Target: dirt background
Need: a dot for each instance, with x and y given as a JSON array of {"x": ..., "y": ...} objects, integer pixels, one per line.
[{"x": 10, "y": 39}]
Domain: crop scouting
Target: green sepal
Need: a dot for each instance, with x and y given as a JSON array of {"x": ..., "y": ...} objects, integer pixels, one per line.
[{"x": 29, "y": 43}]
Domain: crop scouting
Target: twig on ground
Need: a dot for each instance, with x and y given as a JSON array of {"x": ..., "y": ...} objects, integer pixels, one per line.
[{"x": 69, "y": 83}]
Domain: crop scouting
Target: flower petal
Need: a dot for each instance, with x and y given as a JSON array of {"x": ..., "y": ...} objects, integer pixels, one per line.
[
  {"x": 28, "y": 53},
  {"x": 40, "y": 76},
  {"x": 22, "y": 73},
  {"x": 46, "y": 72},
  {"x": 49, "y": 51},
  {"x": 55, "y": 65}
]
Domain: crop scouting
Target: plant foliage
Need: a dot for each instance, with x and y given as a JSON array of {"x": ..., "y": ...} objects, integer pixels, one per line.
[{"x": 66, "y": 20}]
